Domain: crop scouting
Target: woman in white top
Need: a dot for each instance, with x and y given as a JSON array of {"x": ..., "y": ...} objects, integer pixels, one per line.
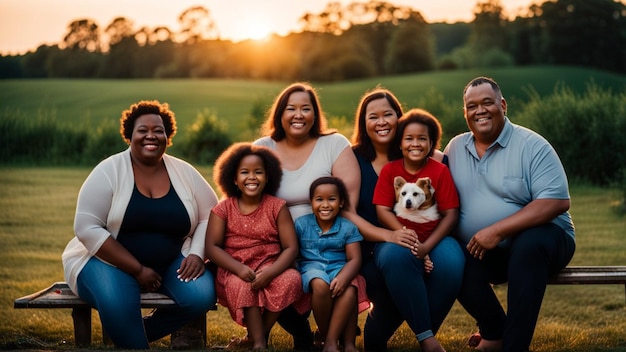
[
  {"x": 140, "y": 226},
  {"x": 296, "y": 130}
]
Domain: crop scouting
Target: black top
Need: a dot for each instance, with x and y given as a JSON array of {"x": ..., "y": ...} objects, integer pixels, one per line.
[{"x": 154, "y": 229}]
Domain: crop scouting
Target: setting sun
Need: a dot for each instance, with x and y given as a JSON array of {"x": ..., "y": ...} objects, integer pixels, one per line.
[{"x": 254, "y": 27}]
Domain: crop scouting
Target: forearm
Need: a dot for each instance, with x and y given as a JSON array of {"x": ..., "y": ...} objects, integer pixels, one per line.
[
  {"x": 444, "y": 228},
  {"x": 535, "y": 213},
  {"x": 369, "y": 231},
  {"x": 285, "y": 260},
  {"x": 114, "y": 253},
  {"x": 219, "y": 257},
  {"x": 350, "y": 269},
  {"x": 387, "y": 218}
]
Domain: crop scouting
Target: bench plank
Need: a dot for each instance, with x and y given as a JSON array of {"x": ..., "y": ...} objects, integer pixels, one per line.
[
  {"x": 585, "y": 275},
  {"x": 59, "y": 295}
]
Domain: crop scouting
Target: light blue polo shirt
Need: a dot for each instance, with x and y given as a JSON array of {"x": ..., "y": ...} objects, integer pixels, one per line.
[{"x": 518, "y": 167}]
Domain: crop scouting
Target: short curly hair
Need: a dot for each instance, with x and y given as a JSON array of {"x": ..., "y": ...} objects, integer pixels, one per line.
[
  {"x": 419, "y": 116},
  {"x": 145, "y": 107},
  {"x": 331, "y": 180},
  {"x": 225, "y": 169}
]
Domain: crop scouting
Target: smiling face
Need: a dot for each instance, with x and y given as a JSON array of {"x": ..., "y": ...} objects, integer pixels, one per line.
[
  {"x": 484, "y": 112},
  {"x": 326, "y": 204},
  {"x": 381, "y": 121},
  {"x": 251, "y": 177},
  {"x": 298, "y": 117},
  {"x": 148, "y": 141},
  {"x": 415, "y": 145}
]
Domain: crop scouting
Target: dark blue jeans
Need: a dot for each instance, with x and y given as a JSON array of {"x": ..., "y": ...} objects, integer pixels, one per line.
[
  {"x": 401, "y": 291},
  {"x": 115, "y": 294},
  {"x": 532, "y": 257}
]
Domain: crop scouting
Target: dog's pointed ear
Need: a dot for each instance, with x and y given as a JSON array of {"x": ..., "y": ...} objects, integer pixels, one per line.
[
  {"x": 398, "y": 182},
  {"x": 430, "y": 185}
]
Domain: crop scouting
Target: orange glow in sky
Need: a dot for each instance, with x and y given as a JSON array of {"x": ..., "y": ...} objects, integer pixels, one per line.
[{"x": 26, "y": 24}]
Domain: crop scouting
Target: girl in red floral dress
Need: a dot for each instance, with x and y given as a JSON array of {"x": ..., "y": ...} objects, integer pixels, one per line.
[{"x": 251, "y": 238}]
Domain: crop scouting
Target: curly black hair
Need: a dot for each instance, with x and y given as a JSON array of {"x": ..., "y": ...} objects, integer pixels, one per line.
[
  {"x": 332, "y": 180},
  {"x": 146, "y": 107},
  {"x": 419, "y": 116},
  {"x": 225, "y": 169}
]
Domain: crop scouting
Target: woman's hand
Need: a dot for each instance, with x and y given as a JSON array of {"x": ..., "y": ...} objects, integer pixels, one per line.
[
  {"x": 149, "y": 280},
  {"x": 404, "y": 237},
  {"x": 191, "y": 268}
]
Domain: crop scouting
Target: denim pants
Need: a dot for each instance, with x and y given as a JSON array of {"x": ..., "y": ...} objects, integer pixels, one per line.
[
  {"x": 401, "y": 291},
  {"x": 533, "y": 256},
  {"x": 116, "y": 296}
]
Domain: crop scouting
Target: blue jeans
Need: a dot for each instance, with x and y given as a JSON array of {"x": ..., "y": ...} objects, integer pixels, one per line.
[
  {"x": 116, "y": 296},
  {"x": 533, "y": 256},
  {"x": 401, "y": 291}
]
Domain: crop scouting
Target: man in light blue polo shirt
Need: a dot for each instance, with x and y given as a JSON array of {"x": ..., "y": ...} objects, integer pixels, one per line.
[{"x": 514, "y": 223}]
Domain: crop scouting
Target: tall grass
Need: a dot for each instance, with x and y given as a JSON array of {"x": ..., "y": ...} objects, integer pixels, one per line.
[{"x": 36, "y": 222}]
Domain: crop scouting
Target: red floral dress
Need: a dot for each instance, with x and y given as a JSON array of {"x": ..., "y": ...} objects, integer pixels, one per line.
[{"x": 253, "y": 240}]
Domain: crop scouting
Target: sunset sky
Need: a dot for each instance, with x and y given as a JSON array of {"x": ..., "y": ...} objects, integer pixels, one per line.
[{"x": 26, "y": 24}]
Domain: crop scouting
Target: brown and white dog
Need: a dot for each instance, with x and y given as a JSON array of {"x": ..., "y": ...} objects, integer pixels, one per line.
[{"x": 415, "y": 201}]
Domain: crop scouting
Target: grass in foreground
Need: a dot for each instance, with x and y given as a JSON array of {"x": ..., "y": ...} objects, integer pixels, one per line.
[{"x": 37, "y": 211}]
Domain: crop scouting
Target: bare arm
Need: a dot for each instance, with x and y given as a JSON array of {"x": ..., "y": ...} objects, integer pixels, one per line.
[
  {"x": 113, "y": 252},
  {"x": 346, "y": 167},
  {"x": 287, "y": 257},
  {"x": 449, "y": 219},
  {"x": 537, "y": 212},
  {"x": 387, "y": 218},
  {"x": 349, "y": 270},
  {"x": 372, "y": 233},
  {"x": 214, "y": 241}
]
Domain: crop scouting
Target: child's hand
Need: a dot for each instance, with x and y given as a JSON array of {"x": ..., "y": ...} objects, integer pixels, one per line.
[
  {"x": 262, "y": 280},
  {"x": 246, "y": 274},
  {"x": 428, "y": 264},
  {"x": 337, "y": 286}
]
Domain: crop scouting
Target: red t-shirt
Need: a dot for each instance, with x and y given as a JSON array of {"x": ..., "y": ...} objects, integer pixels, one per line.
[{"x": 441, "y": 180}]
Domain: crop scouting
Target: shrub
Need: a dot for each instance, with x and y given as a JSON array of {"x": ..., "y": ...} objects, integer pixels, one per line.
[
  {"x": 449, "y": 114},
  {"x": 103, "y": 141},
  {"x": 586, "y": 130},
  {"x": 205, "y": 139},
  {"x": 496, "y": 58}
]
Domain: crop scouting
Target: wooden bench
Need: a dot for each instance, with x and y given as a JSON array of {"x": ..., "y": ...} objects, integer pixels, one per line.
[
  {"x": 59, "y": 295},
  {"x": 590, "y": 275}
]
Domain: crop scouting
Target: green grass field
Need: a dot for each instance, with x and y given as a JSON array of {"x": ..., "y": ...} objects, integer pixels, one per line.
[
  {"x": 37, "y": 204},
  {"x": 36, "y": 222},
  {"x": 91, "y": 101}
]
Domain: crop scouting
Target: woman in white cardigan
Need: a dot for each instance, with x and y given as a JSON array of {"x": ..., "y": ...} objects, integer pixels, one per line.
[{"x": 140, "y": 225}]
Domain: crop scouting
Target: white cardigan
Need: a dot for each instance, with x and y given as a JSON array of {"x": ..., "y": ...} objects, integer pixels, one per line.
[{"x": 104, "y": 197}]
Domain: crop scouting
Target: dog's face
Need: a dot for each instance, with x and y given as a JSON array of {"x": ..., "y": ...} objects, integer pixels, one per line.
[{"x": 414, "y": 196}]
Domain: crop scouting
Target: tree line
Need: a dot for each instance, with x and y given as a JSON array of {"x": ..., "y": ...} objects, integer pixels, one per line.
[{"x": 350, "y": 41}]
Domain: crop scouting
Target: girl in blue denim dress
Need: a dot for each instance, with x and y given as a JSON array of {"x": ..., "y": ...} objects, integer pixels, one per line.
[{"x": 329, "y": 262}]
